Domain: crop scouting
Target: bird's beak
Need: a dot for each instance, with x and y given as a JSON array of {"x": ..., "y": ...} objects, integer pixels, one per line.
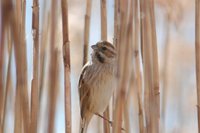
[{"x": 94, "y": 47}]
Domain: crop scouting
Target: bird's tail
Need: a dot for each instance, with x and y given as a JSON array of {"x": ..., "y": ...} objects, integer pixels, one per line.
[{"x": 83, "y": 126}]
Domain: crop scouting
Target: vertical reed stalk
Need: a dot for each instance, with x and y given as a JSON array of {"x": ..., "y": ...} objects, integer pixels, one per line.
[
  {"x": 43, "y": 54},
  {"x": 8, "y": 79},
  {"x": 116, "y": 23},
  {"x": 53, "y": 90},
  {"x": 123, "y": 67},
  {"x": 138, "y": 76},
  {"x": 150, "y": 58},
  {"x": 143, "y": 42},
  {"x": 7, "y": 17},
  {"x": 18, "y": 114},
  {"x": 24, "y": 14},
  {"x": 22, "y": 103},
  {"x": 127, "y": 72},
  {"x": 35, "y": 81},
  {"x": 115, "y": 42},
  {"x": 103, "y": 20},
  {"x": 87, "y": 31},
  {"x": 66, "y": 62},
  {"x": 142, "y": 30},
  {"x": 53, "y": 66},
  {"x": 104, "y": 37},
  {"x": 148, "y": 99},
  {"x": 44, "y": 45},
  {"x": 165, "y": 72},
  {"x": 197, "y": 50},
  {"x": 4, "y": 27},
  {"x": 155, "y": 73},
  {"x": 1, "y": 74}
]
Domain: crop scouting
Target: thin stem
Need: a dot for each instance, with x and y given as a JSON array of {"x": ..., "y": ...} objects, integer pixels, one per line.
[
  {"x": 22, "y": 101},
  {"x": 8, "y": 79},
  {"x": 138, "y": 77},
  {"x": 87, "y": 31},
  {"x": 35, "y": 81},
  {"x": 53, "y": 68},
  {"x": 66, "y": 62},
  {"x": 197, "y": 50},
  {"x": 110, "y": 122},
  {"x": 123, "y": 66},
  {"x": 104, "y": 37},
  {"x": 155, "y": 74}
]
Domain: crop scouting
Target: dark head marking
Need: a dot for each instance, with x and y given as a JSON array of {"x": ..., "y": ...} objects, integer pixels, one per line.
[
  {"x": 104, "y": 48},
  {"x": 100, "y": 58},
  {"x": 108, "y": 44},
  {"x": 105, "y": 43}
]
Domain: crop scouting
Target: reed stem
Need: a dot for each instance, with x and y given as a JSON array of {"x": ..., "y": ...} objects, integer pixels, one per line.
[{"x": 66, "y": 62}]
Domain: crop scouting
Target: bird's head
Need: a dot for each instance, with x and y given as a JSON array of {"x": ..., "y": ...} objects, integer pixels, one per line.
[{"x": 103, "y": 52}]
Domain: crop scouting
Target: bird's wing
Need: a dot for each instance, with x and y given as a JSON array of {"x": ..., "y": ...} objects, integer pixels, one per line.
[{"x": 84, "y": 92}]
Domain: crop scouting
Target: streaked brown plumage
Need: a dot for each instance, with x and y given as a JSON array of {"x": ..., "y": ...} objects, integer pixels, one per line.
[{"x": 97, "y": 82}]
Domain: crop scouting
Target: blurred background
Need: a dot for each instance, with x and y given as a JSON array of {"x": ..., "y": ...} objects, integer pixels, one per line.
[{"x": 175, "y": 28}]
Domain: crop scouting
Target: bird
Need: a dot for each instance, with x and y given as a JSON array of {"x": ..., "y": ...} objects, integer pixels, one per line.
[{"x": 97, "y": 82}]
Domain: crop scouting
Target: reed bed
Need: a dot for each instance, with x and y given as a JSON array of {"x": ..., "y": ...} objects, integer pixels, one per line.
[{"x": 31, "y": 101}]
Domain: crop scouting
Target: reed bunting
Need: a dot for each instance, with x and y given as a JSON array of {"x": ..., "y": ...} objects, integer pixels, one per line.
[{"x": 97, "y": 82}]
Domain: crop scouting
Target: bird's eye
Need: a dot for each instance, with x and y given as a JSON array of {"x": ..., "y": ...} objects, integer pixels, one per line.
[{"x": 104, "y": 48}]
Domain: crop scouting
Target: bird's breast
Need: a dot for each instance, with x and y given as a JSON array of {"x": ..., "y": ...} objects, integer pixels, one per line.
[{"x": 101, "y": 90}]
